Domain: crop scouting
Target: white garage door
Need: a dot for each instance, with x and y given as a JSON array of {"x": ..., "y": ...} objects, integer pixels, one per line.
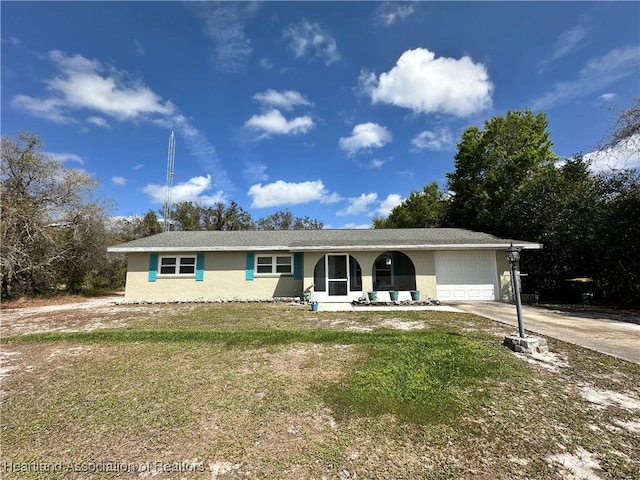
[{"x": 466, "y": 275}]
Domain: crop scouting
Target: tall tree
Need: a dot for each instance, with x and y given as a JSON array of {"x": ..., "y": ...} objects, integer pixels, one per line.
[
  {"x": 561, "y": 208},
  {"x": 149, "y": 225},
  {"x": 617, "y": 262},
  {"x": 419, "y": 210},
  {"x": 284, "y": 220},
  {"x": 42, "y": 204},
  {"x": 189, "y": 216},
  {"x": 625, "y": 128},
  {"x": 132, "y": 228},
  {"x": 237, "y": 218},
  {"x": 588, "y": 224},
  {"x": 81, "y": 245},
  {"x": 491, "y": 164}
]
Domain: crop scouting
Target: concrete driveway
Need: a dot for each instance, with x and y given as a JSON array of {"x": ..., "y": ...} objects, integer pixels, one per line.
[{"x": 593, "y": 329}]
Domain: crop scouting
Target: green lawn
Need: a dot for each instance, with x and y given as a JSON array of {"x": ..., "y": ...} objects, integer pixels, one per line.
[{"x": 275, "y": 391}]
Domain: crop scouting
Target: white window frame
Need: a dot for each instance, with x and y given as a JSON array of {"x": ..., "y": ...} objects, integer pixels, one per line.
[
  {"x": 178, "y": 265},
  {"x": 274, "y": 264}
]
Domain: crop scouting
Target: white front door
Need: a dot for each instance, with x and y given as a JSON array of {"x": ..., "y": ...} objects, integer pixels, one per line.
[{"x": 468, "y": 275}]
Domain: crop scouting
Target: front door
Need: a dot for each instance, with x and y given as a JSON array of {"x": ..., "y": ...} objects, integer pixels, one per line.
[{"x": 338, "y": 275}]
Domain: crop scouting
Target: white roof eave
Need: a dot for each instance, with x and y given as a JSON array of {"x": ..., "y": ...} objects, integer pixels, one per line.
[
  {"x": 457, "y": 246},
  {"x": 326, "y": 248}
]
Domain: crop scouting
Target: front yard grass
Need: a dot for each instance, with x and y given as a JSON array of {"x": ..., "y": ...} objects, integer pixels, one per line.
[{"x": 275, "y": 391}]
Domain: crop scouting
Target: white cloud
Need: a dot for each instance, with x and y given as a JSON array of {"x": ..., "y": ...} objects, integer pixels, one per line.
[
  {"x": 119, "y": 181},
  {"x": 224, "y": 24},
  {"x": 65, "y": 157},
  {"x": 377, "y": 162},
  {"x": 76, "y": 63},
  {"x": 625, "y": 155},
  {"x": 98, "y": 121},
  {"x": 94, "y": 92},
  {"x": 274, "y": 123},
  {"x": 265, "y": 63},
  {"x": 358, "y": 205},
  {"x": 607, "y": 97},
  {"x": 307, "y": 38},
  {"x": 200, "y": 147},
  {"x": 389, "y": 13},
  {"x": 81, "y": 86},
  {"x": 388, "y": 204},
  {"x": 286, "y": 99},
  {"x": 598, "y": 74},
  {"x": 284, "y": 193},
  {"x": 256, "y": 172},
  {"x": 365, "y": 135},
  {"x": 138, "y": 166},
  {"x": 140, "y": 50},
  {"x": 568, "y": 41},
  {"x": 331, "y": 198},
  {"x": 193, "y": 190},
  {"x": 47, "y": 108},
  {"x": 12, "y": 41},
  {"x": 85, "y": 84},
  {"x": 439, "y": 139},
  {"x": 426, "y": 84}
]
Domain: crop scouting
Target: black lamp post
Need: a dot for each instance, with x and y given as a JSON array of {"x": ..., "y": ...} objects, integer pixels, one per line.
[{"x": 513, "y": 255}]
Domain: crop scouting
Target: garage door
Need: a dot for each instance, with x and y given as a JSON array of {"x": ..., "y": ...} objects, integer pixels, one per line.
[{"x": 466, "y": 275}]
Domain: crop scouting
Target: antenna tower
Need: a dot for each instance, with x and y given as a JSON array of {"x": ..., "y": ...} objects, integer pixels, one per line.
[{"x": 171, "y": 155}]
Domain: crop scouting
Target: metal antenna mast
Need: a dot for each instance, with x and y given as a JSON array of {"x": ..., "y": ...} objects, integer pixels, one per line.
[{"x": 167, "y": 196}]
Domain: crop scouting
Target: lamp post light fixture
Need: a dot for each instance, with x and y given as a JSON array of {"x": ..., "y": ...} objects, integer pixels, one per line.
[
  {"x": 521, "y": 343},
  {"x": 513, "y": 255}
]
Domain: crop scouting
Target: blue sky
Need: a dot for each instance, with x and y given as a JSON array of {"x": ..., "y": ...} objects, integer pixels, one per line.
[{"x": 335, "y": 110}]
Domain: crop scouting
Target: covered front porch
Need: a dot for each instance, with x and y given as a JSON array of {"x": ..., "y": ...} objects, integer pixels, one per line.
[{"x": 346, "y": 277}]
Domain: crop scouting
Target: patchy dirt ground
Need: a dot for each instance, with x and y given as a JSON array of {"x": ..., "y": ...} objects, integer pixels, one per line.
[
  {"x": 70, "y": 315},
  {"x": 588, "y": 386}
]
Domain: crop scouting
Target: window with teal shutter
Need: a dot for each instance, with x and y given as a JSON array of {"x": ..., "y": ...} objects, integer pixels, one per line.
[
  {"x": 153, "y": 267},
  {"x": 249, "y": 270},
  {"x": 297, "y": 266},
  {"x": 200, "y": 267}
]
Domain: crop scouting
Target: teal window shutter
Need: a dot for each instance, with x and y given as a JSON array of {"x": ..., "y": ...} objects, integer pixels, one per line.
[
  {"x": 297, "y": 266},
  {"x": 200, "y": 267},
  {"x": 250, "y": 261},
  {"x": 153, "y": 267}
]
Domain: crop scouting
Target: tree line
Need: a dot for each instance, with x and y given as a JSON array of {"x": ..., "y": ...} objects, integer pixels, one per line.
[
  {"x": 55, "y": 231},
  {"x": 508, "y": 182}
]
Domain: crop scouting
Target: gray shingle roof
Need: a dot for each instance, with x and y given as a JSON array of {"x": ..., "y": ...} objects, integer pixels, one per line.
[{"x": 304, "y": 240}]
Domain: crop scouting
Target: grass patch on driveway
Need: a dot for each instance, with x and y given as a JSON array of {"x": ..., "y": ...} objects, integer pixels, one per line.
[{"x": 264, "y": 391}]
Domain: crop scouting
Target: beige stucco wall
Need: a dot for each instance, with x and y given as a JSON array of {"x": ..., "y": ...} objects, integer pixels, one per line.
[
  {"x": 424, "y": 262},
  {"x": 308, "y": 264},
  {"x": 224, "y": 278}
]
